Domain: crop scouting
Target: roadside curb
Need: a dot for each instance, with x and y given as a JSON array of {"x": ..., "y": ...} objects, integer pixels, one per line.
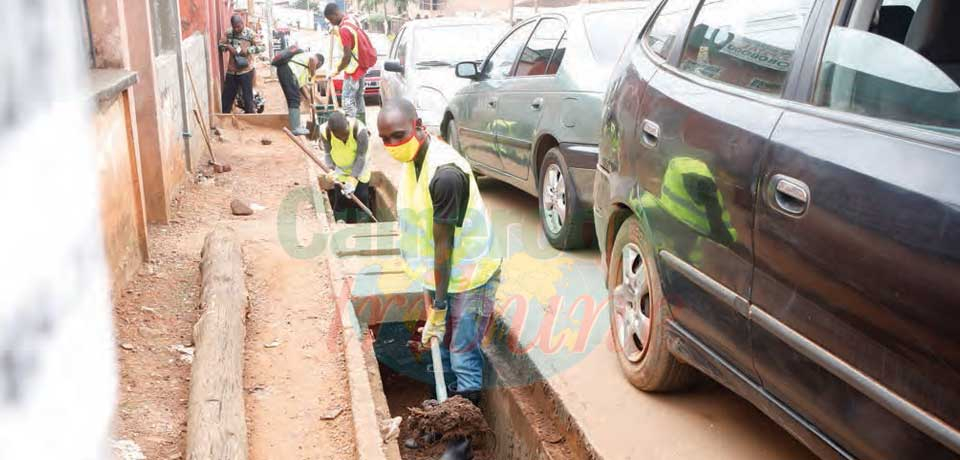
[{"x": 366, "y": 425}]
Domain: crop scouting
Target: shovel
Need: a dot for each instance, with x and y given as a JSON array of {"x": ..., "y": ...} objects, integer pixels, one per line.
[{"x": 438, "y": 369}]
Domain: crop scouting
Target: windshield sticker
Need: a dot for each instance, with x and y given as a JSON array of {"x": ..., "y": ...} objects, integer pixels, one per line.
[{"x": 759, "y": 53}]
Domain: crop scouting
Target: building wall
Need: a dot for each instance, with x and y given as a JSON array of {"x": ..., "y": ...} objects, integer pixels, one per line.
[
  {"x": 193, "y": 16},
  {"x": 170, "y": 126},
  {"x": 119, "y": 188},
  {"x": 460, "y": 7},
  {"x": 195, "y": 56}
]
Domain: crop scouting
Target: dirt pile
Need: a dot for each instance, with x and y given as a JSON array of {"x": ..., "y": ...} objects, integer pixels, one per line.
[{"x": 455, "y": 419}]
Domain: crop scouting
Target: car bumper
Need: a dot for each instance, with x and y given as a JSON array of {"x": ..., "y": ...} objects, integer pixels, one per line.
[
  {"x": 601, "y": 211},
  {"x": 581, "y": 160}
]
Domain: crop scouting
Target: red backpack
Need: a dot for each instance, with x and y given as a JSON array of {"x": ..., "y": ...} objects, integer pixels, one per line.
[{"x": 367, "y": 53}]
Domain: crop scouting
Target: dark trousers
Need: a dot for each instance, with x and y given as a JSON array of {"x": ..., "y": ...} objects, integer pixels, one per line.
[
  {"x": 243, "y": 83},
  {"x": 288, "y": 83},
  {"x": 345, "y": 209}
]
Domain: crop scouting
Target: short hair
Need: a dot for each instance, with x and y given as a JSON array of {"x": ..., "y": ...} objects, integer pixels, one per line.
[
  {"x": 320, "y": 59},
  {"x": 331, "y": 9},
  {"x": 236, "y": 19},
  {"x": 402, "y": 106},
  {"x": 337, "y": 121}
]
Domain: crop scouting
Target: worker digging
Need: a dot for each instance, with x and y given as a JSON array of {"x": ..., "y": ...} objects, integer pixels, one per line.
[
  {"x": 446, "y": 244},
  {"x": 346, "y": 143},
  {"x": 296, "y": 70}
]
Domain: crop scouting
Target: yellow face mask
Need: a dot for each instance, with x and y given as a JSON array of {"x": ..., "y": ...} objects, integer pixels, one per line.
[{"x": 406, "y": 150}]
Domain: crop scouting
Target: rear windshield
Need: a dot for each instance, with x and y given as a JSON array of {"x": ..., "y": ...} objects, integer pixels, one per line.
[{"x": 609, "y": 31}]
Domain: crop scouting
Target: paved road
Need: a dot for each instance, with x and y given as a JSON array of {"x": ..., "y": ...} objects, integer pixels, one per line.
[{"x": 553, "y": 299}]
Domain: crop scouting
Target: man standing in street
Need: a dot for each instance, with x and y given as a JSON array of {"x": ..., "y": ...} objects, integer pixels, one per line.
[
  {"x": 446, "y": 240},
  {"x": 296, "y": 70},
  {"x": 355, "y": 61},
  {"x": 345, "y": 141},
  {"x": 242, "y": 44}
]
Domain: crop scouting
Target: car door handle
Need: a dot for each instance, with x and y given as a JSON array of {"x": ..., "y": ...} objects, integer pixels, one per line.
[
  {"x": 790, "y": 196},
  {"x": 492, "y": 102},
  {"x": 537, "y": 103},
  {"x": 651, "y": 133}
]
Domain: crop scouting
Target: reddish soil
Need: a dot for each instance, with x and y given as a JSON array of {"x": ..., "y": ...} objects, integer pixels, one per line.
[{"x": 295, "y": 384}]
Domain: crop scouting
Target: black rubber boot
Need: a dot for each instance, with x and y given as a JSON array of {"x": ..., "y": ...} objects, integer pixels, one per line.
[{"x": 458, "y": 449}]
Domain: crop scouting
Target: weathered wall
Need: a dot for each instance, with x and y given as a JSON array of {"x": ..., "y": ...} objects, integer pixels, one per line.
[
  {"x": 170, "y": 125},
  {"x": 193, "y": 16},
  {"x": 195, "y": 56},
  {"x": 119, "y": 191},
  {"x": 170, "y": 121}
]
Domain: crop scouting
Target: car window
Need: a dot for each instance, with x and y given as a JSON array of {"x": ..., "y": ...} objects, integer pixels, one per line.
[
  {"x": 668, "y": 25},
  {"x": 537, "y": 56},
  {"x": 442, "y": 46},
  {"x": 746, "y": 43},
  {"x": 609, "y": 31},
  {"x": 915, "y": 82},
  {"x": 396, "y": 43},
  {"x": 500, "y": 64}
]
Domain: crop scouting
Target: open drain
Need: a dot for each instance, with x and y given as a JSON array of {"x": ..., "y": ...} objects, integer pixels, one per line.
[{"x": 525, "y": 419}]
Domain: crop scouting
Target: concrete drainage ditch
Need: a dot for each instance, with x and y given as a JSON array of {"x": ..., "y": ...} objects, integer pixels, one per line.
[{"x": 526, "y": 419}]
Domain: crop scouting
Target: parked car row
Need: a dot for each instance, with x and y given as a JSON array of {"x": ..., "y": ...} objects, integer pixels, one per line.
[{"x": 773, "y": 191}]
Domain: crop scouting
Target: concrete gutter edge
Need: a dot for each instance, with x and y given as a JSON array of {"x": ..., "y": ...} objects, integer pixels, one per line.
[{"x": 366, "y": 426}]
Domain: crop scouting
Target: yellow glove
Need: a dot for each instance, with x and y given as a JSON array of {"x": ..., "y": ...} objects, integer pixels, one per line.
[{"x": 436, "y": 326}]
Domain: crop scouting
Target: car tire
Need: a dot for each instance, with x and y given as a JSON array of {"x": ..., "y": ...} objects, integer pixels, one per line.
[
  {"x": 563, "y": 222},
  {"x": 637, "y": 308}
]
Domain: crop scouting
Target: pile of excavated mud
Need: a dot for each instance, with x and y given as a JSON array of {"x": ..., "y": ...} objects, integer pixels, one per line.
[{"x": 456, "y": 418}]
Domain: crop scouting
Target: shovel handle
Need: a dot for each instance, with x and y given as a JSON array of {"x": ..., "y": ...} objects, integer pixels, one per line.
[{"x": 438, "y": 369}]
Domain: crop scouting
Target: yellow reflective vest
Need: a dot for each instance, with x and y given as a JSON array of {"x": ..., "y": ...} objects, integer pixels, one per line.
[
  {"x": 299, "y": 66},
  {"x": 355, "y": 52},
  {"x": 345, "y": 153},
  {"x": 473, "y": 260}
]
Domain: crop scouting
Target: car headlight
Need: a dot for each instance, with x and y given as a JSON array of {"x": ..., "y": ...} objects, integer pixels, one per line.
[{"x": 430, "y": 104}]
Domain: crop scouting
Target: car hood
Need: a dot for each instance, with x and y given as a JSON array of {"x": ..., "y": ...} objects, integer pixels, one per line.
[{"x": 442, "y": 79}]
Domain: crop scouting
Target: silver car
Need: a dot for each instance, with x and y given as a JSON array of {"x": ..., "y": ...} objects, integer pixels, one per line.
[
  {"x": 530, "y": 115},
  {"x": 421, "y": 61}
]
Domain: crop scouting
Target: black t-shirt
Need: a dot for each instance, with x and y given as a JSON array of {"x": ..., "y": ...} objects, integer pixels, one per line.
[{"x": 450, "y": 192}]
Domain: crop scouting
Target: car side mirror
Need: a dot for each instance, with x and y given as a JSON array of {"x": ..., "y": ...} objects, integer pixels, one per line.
[
  {"x": 468, "y": 69},
  {"x": 393, "y": 66}
]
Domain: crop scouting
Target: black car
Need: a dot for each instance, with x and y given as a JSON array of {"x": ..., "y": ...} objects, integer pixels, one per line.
[{"x": 777, "y": 202}]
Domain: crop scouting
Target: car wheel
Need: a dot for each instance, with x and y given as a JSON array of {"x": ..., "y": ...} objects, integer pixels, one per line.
[
  {"x": 560, "y": 215},
  {"x": 637, "y": 316}
]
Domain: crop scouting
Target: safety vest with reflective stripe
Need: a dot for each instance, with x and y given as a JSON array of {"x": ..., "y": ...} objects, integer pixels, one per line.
[
  {"x": 344, "y": 154},
  {"x": 676, "y": 200},
  {"x": 473, "y": 260},
  {"x": 355, "y": 52},
  {"x": 299, "y": 66}
]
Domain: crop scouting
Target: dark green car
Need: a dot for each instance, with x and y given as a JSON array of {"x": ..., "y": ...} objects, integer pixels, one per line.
[{"x": 531, "y": 115}]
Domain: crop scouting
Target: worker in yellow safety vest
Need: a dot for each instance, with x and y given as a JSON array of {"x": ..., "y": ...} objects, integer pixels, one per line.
[
  {"x": 446, "y": 242},
  {"x": 295, "y": 75},
  {"x": 358, "y": 56},
  {"x": 346, "y": 142}
]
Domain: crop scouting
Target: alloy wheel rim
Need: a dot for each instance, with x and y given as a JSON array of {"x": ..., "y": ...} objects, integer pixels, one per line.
[
  {"x": 554, "y": 195},
  {"x": 631, "y": 305}
]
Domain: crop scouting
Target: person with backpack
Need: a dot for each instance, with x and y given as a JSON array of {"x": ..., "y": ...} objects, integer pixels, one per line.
[
  {"x": 358, "y": 56},
  {"x": 295, "y": 70},
  {"x": 346, "y": 142}
]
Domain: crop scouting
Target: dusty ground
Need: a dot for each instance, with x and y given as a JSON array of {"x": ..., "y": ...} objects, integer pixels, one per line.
[{"x": 294, "y": 372}]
